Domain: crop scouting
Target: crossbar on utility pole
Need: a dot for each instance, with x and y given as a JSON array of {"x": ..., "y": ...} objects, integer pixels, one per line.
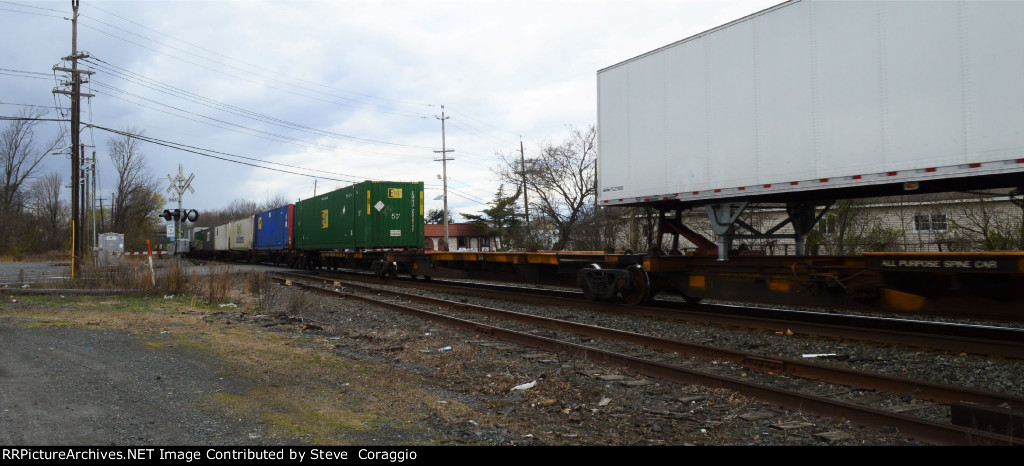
[{"x": 444, "y": 170}]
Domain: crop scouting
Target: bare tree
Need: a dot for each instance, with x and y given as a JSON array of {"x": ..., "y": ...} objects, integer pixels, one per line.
[
  {"x": 238, "y": 209},
  {"x": 135, "y": 198},
  {"x": 981, "y": 221},
  {"x": 560, "y": 181},
  {"x": 53, "y": 214},
  {"x": 20, "y": 156}
]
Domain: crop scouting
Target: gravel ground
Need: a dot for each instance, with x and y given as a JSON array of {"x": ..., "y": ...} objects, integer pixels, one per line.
[
  {"x": 998, "y": 375},
  {"x": 995, "y": 375},
  {"x": 74, "y": 386},
  {"x": 571, "y": 402}
]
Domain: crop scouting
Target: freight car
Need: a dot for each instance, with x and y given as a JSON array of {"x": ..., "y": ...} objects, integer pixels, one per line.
[
  {"x": 273, "y": 233},
  {"x": 367, "y": 216},
  {"x": 371, "y": 215}
]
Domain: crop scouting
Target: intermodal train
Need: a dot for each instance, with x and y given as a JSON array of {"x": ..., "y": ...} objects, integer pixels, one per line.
[
  {"x": 378, "y": 226},
  {"x": 792, "y": 107}
]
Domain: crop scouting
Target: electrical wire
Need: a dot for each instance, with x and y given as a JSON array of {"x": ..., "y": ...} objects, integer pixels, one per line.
[
  {"x": 244, "y": 62},
  {"x": 210, "y": 103},
  {"x": 30, "y": 13},
  {"x": 207, "y": 152},
  {"x": 243, "y": 78}
]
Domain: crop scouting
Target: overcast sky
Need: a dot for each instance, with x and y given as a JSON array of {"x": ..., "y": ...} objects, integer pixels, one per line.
[{"x": 341, "y": 91}]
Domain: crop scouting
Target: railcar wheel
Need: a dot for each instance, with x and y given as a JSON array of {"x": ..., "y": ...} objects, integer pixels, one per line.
[
  {"x": 588, "y": 293},
  {"x": 640, "y": 292}
]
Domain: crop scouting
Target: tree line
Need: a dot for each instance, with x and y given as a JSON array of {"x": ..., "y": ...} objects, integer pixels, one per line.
[{"x": 36, "y": 206}]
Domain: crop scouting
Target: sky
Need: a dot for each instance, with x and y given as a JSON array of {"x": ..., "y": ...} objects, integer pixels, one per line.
[{"x": 291, "y": 98}]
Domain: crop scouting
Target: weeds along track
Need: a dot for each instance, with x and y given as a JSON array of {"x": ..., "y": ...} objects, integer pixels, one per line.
[{"x": 919, "y": 409}]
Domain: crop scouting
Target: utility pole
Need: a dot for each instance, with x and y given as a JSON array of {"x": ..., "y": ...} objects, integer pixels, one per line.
[
  {"x": 76, "y": 151},
  {"x": 526, "y": 198},
  {"x": 83, "y": 215},
  {"x": 92, "y": 205},
  {"x": 103, "y": 225},
  {"x": 444, "y": 170}
]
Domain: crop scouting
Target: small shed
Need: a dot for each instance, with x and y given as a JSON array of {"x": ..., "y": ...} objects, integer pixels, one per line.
[{"x": 111, "y": 249}]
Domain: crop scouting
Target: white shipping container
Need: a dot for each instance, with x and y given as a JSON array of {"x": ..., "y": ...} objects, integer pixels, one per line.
[
  {"x": 240, "y": 234},
  {"x": 817, "y": 95},
  {"x": 220, "y": 238}
]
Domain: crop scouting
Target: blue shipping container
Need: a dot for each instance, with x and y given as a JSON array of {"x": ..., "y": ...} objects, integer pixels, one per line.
[{"x": 274, "y": 229}]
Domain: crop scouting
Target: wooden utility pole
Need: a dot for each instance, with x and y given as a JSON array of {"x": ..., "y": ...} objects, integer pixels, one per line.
[
  {"x": 76, "y": 150},
  {"x": 444, "y": 170},
  {"x": 526, "y": 197},
  {"x": 103, "y": 226}
]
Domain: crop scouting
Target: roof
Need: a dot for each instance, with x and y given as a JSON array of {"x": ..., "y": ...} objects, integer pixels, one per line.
[{"x": 456, "y": 229}]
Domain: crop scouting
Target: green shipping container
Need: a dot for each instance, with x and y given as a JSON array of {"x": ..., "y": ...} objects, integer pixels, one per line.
[{"x": 367, "y": 215}]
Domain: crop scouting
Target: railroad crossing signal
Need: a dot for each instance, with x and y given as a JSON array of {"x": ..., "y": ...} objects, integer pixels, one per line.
[
  {"x": 176, "y": 214},
  {"x": 179, "y": 184}
]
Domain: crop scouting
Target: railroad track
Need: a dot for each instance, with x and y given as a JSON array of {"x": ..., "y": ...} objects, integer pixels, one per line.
[
  {"x": 954, "y": 338},
  {"x": 773, "y": 380}
]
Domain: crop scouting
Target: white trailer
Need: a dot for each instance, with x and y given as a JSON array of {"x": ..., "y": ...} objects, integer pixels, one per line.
[
  {"x": 220, "y": 238},
  {"x": 813, "y": 100}
]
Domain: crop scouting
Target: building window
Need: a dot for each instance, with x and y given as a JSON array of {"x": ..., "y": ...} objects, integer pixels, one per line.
[
  {"x": 827, "y": 225},
  {"x": 930, "y": 222},
  {"x": 485, "y": 241}
]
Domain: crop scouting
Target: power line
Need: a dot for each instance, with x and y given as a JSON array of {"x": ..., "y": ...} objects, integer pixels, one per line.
[
  {"x": 32, "y": 6},
  {"x": 310, "y": 130},
  {"x": 207, "y": 102},
  {"x": 22, "y": 76},
  {"x": 233, "y": 76},
  {"x": 9, "y": 118},
  {"x": 207, "y": 153},
  {"x": 486, "y": 124},
  {"x": 26, "y": 72},
  {"x": 251, "y": 131},
  {"x": 38, "y": 106},
  {"x": 31, "y": 13},
  {"x": 242, "y": 61}
]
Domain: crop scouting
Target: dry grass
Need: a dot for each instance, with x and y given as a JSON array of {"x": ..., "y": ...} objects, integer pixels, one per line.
[
  {"x": 174, "y": 279},
  {"x": 299, "y": 302},
  {"x": 262, "y": 289},
  {"x": 131, "y": 276},
  {"x": 300, "y": 387},
  {"x": 217, "y": 285}
]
